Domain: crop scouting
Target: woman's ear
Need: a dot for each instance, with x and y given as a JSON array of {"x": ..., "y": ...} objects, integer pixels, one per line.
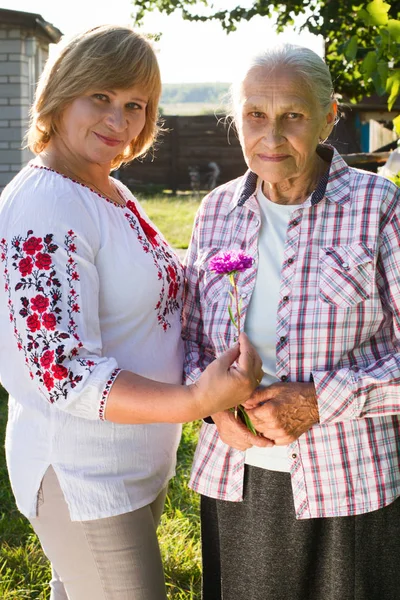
[{"x": 329, "y": 121}]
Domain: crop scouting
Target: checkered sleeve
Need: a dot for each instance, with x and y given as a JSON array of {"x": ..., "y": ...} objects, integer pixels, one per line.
[
  {"x": 373, "y": 391},
  {"x": 198, "y": 350}
]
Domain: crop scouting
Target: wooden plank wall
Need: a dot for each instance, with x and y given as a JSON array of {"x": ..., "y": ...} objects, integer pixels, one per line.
[{"x": 189, "y": 142}]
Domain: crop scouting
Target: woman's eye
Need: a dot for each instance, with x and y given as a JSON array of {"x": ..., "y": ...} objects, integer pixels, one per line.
[
  {"x": 293, "y": 115},
  {"x": 134, "y": 106},
  {"x": 102, "y": 97},
  {"x": 256, "y": 114}
]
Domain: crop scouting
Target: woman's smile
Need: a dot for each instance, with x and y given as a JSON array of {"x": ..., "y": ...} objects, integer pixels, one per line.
[{"x": 108, "y": 141}]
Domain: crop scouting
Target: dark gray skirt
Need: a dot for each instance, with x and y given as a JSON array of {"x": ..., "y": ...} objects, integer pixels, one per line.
[{"x": 257, "y": 550}]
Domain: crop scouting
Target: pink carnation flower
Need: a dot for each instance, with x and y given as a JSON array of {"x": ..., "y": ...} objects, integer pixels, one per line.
[{"x": 230, "y": 262}]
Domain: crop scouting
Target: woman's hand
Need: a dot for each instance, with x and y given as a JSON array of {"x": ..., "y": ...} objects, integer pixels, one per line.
[
  {"x": 235, "y": 434},
  {"x": 282, "y": 412},
  {"x": 229, "y": 380}
]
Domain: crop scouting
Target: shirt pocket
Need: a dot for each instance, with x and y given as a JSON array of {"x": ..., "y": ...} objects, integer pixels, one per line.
[{"x": 346, "y": 274}]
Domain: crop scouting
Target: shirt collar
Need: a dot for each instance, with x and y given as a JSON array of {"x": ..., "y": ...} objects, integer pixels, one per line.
[{"x": 334, "y": 184}]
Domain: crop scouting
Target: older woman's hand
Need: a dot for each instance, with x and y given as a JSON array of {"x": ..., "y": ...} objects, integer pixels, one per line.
[
  {"x": 282, "y": 412},
  {"x": 235, "y": 434}
]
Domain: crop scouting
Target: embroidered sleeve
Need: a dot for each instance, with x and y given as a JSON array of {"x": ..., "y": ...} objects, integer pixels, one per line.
[
  {"x": 375, "y": 390},
  {"x": 52, "y": 288}
]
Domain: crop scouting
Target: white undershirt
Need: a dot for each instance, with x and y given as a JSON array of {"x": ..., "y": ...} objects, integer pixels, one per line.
[{"x": 260, "y": 324}]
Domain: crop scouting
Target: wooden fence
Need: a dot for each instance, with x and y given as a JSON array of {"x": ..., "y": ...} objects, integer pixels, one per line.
[{"x": 191, "y": 143}]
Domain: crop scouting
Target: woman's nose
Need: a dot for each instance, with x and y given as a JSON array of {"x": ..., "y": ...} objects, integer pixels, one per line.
[
  {"x": 116, "y": 119},
  {"x": 273, "y": 133}
]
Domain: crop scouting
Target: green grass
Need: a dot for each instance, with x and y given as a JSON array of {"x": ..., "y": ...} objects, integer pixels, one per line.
[
  {"x": 24, "y": 570},
  {"x": 173, "y": 215}
]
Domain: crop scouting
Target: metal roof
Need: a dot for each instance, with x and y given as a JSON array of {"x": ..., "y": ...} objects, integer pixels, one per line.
[{"x": 33, "y": 21}]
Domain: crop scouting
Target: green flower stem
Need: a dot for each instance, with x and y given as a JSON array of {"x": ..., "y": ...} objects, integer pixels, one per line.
[{"x": 238, "y": 409}]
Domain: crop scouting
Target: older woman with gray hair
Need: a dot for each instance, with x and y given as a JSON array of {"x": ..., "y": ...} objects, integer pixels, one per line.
[{"x": 308, "y": 507}]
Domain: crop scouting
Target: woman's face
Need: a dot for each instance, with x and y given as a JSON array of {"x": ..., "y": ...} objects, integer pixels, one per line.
[
  {"x": 100, "y": 124},
  {"x": 280, "y": 124}
]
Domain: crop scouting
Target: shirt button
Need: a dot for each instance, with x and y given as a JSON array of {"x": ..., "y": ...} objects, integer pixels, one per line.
[
  {"x": 285, "y": 298},
  {"x": 282, "y": 338},
  {"x": 294, "y": 456},
  {"x": 290, "y": 260},
  {"x": 244, "y": 295},
  {"x": 294, "y": 223},
  {"x": 283, "y": 377},
  {"x": 345, "y": 265}
]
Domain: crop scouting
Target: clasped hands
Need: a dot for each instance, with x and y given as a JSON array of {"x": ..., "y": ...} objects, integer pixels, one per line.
[{"x": 280, "y": 413}]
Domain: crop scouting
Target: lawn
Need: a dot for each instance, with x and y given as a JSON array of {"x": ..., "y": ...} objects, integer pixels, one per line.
[
  {"x": 24, "y": 570},
  {"x": 173, "y": 215}
]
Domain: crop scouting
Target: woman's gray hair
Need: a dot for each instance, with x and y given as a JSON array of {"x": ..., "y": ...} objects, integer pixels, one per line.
[{"x": 303, "y": 61}]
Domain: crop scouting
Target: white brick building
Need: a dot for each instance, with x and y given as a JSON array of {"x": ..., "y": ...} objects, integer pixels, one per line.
[{"x": 24, "y": 44}]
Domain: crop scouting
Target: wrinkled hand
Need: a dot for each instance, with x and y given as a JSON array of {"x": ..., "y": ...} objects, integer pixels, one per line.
[
  {"x": 282, "y": 412},
  {"x": 235, "y": 434}
]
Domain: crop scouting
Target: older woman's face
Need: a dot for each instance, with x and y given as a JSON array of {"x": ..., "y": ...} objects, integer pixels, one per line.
[
  {"x": 100, "y": 124},
  {"x": 280, "y": 124}
]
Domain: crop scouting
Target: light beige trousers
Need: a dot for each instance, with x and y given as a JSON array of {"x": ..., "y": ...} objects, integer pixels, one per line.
[{"x": 116, "y": 558}]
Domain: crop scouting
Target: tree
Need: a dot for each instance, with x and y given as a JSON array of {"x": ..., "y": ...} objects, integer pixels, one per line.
[{"x": 362, "y": 40}]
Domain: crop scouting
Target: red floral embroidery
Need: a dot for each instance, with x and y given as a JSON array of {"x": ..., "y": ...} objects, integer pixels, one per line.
[
  {"x": 25, "y": 266},
  {"x": 49, "y": 321},
  {"x": 43, "y": 261},
  {"x": 59, "y": 371},
  {"x": 33, "y": 323},
  {"x": 169, "y": 270},
  {"x": 40, "y": 303},
  {"x": 48, "y": 381},
  {"x": 32, "y": 245},
  {"x": 47, "y": 359},
  {"x": 150, "y": 233},
  {"x": 45, "y": 344}
]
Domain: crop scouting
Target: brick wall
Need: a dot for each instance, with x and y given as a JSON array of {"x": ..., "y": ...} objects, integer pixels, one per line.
[{"x": 22, "y": 56}]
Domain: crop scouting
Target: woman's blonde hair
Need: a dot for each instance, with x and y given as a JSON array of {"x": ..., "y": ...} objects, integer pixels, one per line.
[{"x": 107, "y": 57}]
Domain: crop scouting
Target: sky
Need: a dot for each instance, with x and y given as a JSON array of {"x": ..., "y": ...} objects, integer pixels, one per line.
[{"x": 187, "y": 52}]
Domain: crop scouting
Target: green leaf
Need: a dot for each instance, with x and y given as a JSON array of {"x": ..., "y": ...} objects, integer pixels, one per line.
[
  {"x": 231, "y": 316},
  {"x": 383, "y": 71},
  {"x": 351, "y": 48},
  {"x": 232, "y": 297},
  {"x": 396, "y": 123},
  {"x": 363, "y": 15},
  {"x": 368, "y": 65},
  {"x": 394, "y": 29},
  {"x": 377, "y": 81},
  {"x": 393, "y": 87},
  {"x": 378, "y": 9}
]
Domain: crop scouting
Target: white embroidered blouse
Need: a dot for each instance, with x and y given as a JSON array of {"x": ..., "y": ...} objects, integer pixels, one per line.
[{"x": 88, "y": 288}]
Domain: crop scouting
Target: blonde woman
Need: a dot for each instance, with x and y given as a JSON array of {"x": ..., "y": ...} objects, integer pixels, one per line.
[{"x": 90, "y": 311}]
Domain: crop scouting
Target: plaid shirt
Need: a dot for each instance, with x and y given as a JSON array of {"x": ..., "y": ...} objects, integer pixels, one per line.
[{"x": 338, "y": 324}]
